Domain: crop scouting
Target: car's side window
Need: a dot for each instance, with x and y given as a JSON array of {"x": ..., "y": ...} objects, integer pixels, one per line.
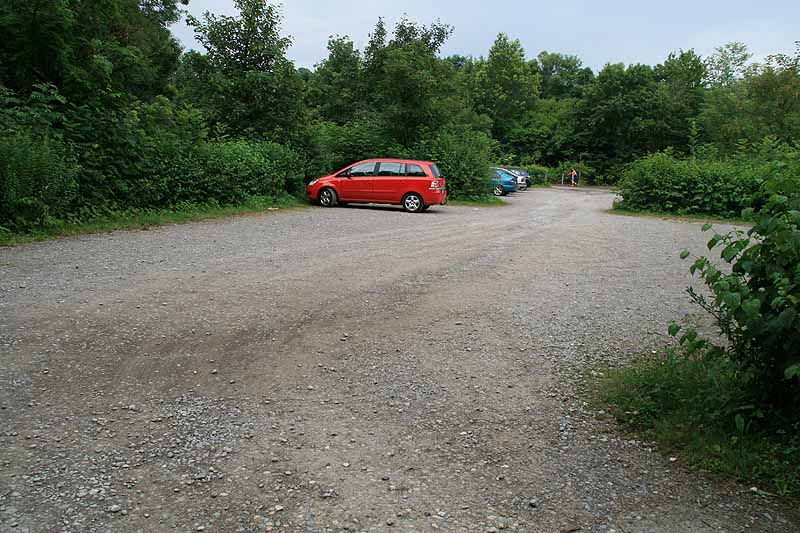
[
  {"x": 364, "y": 169},
  {"x": 415, "y": 171},
  {"x": 390, "y": 169}
]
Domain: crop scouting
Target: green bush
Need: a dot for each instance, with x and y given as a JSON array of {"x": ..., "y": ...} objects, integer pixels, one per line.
[
  {"x": 540, "y": 175},
  {"x": 732, "y": 407},
  {"x": 38, "y": 179},
  {"x": 756, "y": 296},
  {"x": 135, "y": 154},
  {"x": 230, "y": 172},
  {"x": 127, "y": 156},
  {"x": 662, "y": 182},
  {"x": 464, "y": 157},
  {"x": 341, "y": 145},
  {"x": 705, "y": 184}
]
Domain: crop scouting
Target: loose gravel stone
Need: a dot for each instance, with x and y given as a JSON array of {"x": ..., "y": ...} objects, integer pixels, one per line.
[{"x": 444, "y": 354}]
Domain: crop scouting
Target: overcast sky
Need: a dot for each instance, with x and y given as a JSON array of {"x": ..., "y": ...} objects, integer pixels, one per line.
[{"x": 598, "y": 31}]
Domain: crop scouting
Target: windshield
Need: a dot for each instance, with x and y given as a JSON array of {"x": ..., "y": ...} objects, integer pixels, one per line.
[{"x": 504, "y": 174}]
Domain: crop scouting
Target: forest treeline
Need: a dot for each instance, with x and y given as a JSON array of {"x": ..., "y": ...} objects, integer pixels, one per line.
[{"x": 101, "y": 110}]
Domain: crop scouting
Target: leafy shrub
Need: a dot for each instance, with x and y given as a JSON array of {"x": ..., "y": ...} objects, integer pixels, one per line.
[
  {"x": 229, "y": 172},
  {"x": 135, "y": 154},
  {"x": 464, "y": 157},
  {"x": 40, "y": 112},
  {"x": 341, "y": 145},
  {"x": 732, "y": 407},
  {"x": 38, "y": 177},
  {"x": 540, "y": 175},
  {"x": 662, "y": 182},
  {"x": 705, "y": 184},
  {"x": 756, "y": 300}
]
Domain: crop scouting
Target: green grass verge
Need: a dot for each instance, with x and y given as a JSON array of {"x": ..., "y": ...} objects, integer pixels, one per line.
[
  {"x": 688, "y": 406},
  {"x": 148, "y": 218},
  {"x": 616, "y": 210},
  {"x": 486, "y": 201}
]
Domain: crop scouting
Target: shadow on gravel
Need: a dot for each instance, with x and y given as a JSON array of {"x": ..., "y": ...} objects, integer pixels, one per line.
[{"x": 434, "y": 210}]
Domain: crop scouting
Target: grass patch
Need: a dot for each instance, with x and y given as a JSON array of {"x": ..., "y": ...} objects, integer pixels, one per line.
[
  {"x": 143, "y": 219},
  {"x": 483, "y": 201},
  {"x": 622, "y": 211},
  {"x": 687, "y": 405}
]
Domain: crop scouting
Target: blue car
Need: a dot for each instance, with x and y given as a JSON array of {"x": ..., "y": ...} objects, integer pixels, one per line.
[{"x": 503, "y": 181}]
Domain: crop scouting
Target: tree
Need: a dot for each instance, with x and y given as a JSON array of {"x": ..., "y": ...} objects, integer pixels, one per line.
[
  {"x": 88, "y": 49},
  {"x": 400, "y": 81},
  {"x": 506, "y": 87},
  {"x": 408, "y": 90},
  {"x": 678, "y": 98},
  {"x": 244, "y": 81},
  {"x": 336, "y": 88},
  {"x": 727, "y": 64},
  {"x": 547, "y": 135},
  {"x": 765, "y": 102},
  {"x": 563, "y": 76},
  {"x": 773, "y": 97},
  {"x": 616, "y": 120}
]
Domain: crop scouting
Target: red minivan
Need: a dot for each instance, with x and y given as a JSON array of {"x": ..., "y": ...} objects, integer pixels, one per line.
[{"x": 416, "y": 185}]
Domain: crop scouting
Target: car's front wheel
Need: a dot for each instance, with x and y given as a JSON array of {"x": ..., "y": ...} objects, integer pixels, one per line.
[
  {"x": 499, "y": 190},
  {"x": 412, "y": 202},
  {"x": 327, "y": 197}
]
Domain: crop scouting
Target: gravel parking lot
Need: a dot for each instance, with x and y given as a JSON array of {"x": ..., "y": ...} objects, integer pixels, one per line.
[{"x": 348, "y": 369}]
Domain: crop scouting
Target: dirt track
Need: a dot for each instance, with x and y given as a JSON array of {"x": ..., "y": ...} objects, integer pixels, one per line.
[{"x": 352, "y": 369}]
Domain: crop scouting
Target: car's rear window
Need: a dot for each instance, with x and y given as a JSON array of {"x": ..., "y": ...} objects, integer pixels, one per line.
[
  {"x": 436, "y": 172},
  {"x": 414, "y": 171}
]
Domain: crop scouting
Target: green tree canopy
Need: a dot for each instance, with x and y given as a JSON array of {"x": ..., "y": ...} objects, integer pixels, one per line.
[
  {"x": 563, "y": 76},
  {"x": 506, "y": 87},
  {"x": 727, "y": 64},
  {"x": 244, "y": 82},
  {"x": 87, "y": 49},
  {"x": 337, "y": 89}
]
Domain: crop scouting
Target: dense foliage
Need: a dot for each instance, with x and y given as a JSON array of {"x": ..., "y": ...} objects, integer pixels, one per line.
[
  {"x": 101, "y": 112},
  {"x": 731, "y": 405},
  {"x": 756, "y": 299},
  {"x": 748, "y": 120},
  {"x": 706, "y": 183}
]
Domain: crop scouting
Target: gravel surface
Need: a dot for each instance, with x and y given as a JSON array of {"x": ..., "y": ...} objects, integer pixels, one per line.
[{"x": 350, "y": 369}]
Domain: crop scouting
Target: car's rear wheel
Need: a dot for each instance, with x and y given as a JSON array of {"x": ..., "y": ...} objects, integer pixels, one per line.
[
  {"x": 499, "y": 190},
  {"x": 327, "y": 197},
  {"x": 412, "y": 202}
]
